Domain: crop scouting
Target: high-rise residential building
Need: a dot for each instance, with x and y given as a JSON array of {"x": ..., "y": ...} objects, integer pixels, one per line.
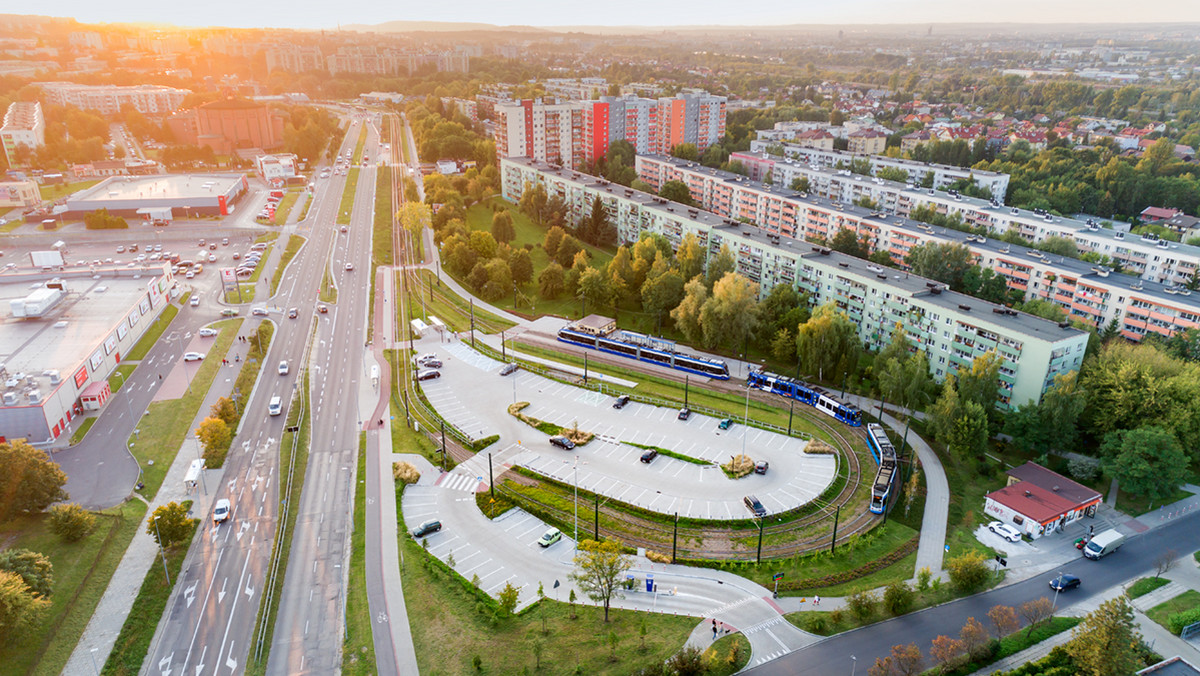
[
  {"x": 109, "y": 99},
  {"x": 24, "y": 125},
  {"x": 295, "y": 58},
  {"x": 695, "y": 117}
]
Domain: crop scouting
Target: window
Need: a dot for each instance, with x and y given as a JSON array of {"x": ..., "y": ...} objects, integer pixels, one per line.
[{"x": 1017, "y": 519}]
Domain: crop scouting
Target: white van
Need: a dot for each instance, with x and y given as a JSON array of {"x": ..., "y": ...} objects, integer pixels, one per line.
[{"x": 275, "y": 407}]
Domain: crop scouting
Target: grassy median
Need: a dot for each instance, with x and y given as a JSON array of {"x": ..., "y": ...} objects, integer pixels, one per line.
[{"x": 358, "y": 647}]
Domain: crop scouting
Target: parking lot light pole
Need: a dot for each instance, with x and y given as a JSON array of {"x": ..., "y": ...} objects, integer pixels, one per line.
[
  {"x": 761, "y": 522},
  {"x": 746, "y": 419},
  {"x": 577, "y": 502}
]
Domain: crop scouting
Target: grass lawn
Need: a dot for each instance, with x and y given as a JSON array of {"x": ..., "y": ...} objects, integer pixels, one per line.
[
  {"x": 358, "y": 148},
  {"x": 134, "y": 640},
  {"x": 81, "y": 574},
  {"x": 152, "y": 334},
  {"x": 329, "y": 292},
  {"x": 969, "y": 482},
  {"x": 432, "y": 298},
  {"x": 1145, "y": 586},
  {"x": 293, "y": 453},
  {"x": 728, "y": 655},
  {"x": 381, "y": 241},
  {"x": 358, "y": 647},
  {"x": 286, "y": 204},
  {"x": 53, "y": 192},
  {"x": 244, "y": 294},
  {"x": 13, "y": 224},
  {"x": 81, "y": 431},
  {"x": 348, "y": 192},
  {"x": 116, "y": 382},
  {"x": 404, "y": 439},
  {"x": 305, "y": 204},
  {"x": 166, "y": 423},
  {"x": 290, "y": 249},
  {"x": 1163, "y": 611},
  {"x": 440, "y": 606},
  {"x": 1137, "y": 505}
]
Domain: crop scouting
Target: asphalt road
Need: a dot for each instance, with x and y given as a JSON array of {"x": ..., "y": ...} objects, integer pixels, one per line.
[
  {"x": 209, "y": 626},
  {"x": 309, "y": 623},
  {"x": 1135, "y": 558}
]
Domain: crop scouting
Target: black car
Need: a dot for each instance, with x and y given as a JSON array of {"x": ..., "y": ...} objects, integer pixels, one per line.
[
  {"x": 509, "y": 369},
  {"x": 685, "y": 413},
  {"x": 432, "y": 363},
  {"x": 621, "y": 401},
  {"x": 429, "y": 375},
  {"x": 431, "y": 526},
  {"x": 1064, "y": 582},
  {"x": 761, "y": 466},
  {"x": 562, "y": 442},
  {"x": 649, "y": 455},
  {"x": 753, "y": 504}
]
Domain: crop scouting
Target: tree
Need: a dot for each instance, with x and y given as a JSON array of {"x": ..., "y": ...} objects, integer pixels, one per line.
[
  {"x": 1148, "y": 461},
  {"x": 969, "y": 570},
  {"x": 483, "y": 244},
  {"x": 1004, "y": 618},
  {"x": 599, "y": 570},
  {"x": 847, "y": 242},
  {"x": 20, "y": 608},
  {"x": 550, "y": 282},
  {"x": 974, "y": 637},
  {"x": 799, "y": 184},
  {"x": 943, "y": 262},
  {"x": 225, "y": 409},
  {"x": 783, "y": 346},
  {"x": 968, "y": 435},
  {"x": 689, "y": 257},
  {"x": 945, "y": 650},
  {"x": 502, "y": 226},
  {"x": 621, "y": 278},
  {"x": 1035, "y": 611},
  {"x": 173, "y": 524},
  {"x": 662, "y": 293},
  {"x": 898, "y": 597},
  {"x": 828, "y": 343},
  {"x": 71, "y": 522},
  {"x": 689, "y": 661},
  {"x": 568, "y": 249},
  {"x": 1054, "y": 421},
  {"x": 497, "y": 281},
  {"x": 907, "y": 659},
  {"x": 213, "y": 434},
  {"x": 862, "y": 604},
  {"x": 34, "y": 568},
  {"x": 520, "y": 263},
  {"x": 730, "y": 315},
  {"x": 686, "y": 151},
  {"x": 554, "y": 237},
  {"x": 978, "y": 384},
  {"x": 29, "y": 482},
  {"x": 1164, "y": 561},
  {"x": 102, "y": 220},
  {"x": 414, "y": 216},
  {"x": 1106, "y": 642},
  {"x": 596, "y": 228},
  {"x": 718, "y": 267},
  {"x": 687, "y": 313},
  {"x": 676, "y": 191},
  {"x": 594, "y": 287},
  {"x": 508, "y": 598}
]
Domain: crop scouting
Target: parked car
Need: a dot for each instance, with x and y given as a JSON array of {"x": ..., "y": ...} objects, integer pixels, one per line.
[
  {"x": 193, "y": 356},
  {"x": 649, "y": 455},
  {"x": 426, "y": 358},
  {"x": 685, "y": 413},
  {"x": 345, "y": 229},
  {"x": 562, "y": 442},
  {"x": 761, "y": 467},
  {"x": 1005, "y": 531},
  {"x": 208, "y": 333},
  {"x": 1064, "y": 582},
  {"x": 429, "y": 374},
  {"x": 433, "y": 364},
  {"x": 725, "y": 423},
  {"x": 755, "y": 506},
  {"x": 509, "y": 369},
  {"x": 621, "y": 401},
  {"x": 221, "y": 511},
  {"x": 427, "y": 528},
  {"x": 550, "y": 537}
]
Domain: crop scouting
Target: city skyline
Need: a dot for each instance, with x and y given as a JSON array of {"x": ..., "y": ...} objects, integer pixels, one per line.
[{"x": 542, "y": 13}]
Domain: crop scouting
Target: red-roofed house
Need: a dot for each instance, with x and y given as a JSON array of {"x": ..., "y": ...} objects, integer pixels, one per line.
[
  {"x": 1151, "y": 214},
  {"x": 1038, "y": 501}
]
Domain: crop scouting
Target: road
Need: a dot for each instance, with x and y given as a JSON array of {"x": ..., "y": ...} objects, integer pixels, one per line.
[
  {"x": 208, "y": 627},
  {"x": 309, "y": 622},
  {"x": 1135, "y": 558}
]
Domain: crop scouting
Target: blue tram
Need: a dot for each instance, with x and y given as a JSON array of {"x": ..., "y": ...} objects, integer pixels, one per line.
[
  {"x": 814, "y": 396},
  {"x": 885, "y": 455},
  {"x": 644, "y": 348}
]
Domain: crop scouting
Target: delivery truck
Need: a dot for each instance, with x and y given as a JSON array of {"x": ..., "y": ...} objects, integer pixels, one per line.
[{"x": 1103, "y": 544}]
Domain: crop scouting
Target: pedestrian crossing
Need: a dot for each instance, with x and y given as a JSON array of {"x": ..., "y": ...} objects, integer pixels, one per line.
[
  {"x": 764, "y": 625},
  {"x": 460, "y": 482},
  {"x": 767, "y": 657}
]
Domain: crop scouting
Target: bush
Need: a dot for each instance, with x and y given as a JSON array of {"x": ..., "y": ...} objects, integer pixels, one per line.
[
  {"x": 818, "y": 447},
  {"x": 923, "y": 576},
  {"x": 898, "y": 598},
  {"x": 816, "y": 624},
  {"x": 1178, "y": 621},
  {"x": 102, "y": 220},
  {"x": 862, "y": 604},
  {"x": 968, "y": 571},
  {"x": 405, "y": 472},
  {"x": 1082, "y": 468},
  {"x": 738, "y": 466},
  {"x": 71, "y": 522}
]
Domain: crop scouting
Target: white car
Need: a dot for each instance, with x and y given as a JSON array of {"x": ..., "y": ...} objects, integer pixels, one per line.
[
  {"x": 1005, "y": 531},
  {"x": 221, "y": 511},
  {"x": 349, "y": 267},
  {"x": 193, "y": 356},
  {"x": 195, "y": 301},
  {"x": 212, "y": 258},
  {"x": 259, "y": 312},
  {"x": 208, "y": 333},
  {"x": 283, "y": 368}
]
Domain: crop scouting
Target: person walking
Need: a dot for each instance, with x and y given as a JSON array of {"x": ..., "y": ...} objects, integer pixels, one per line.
[
  {"x": 714, "y": 626},
  {"x": 816, "y": 601}
]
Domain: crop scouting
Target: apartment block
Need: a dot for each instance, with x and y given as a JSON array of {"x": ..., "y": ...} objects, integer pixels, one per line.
[
  {"x": 548, "y": 132},
  {"x": 24, "y": 125},
  {"x": 943, "y": 175},
  {"x": 951, "y": 328},
  {"x": 867, "y": 142},
  {"x": 109, "y": 99},
  {"x": 1089, "y": 293},
  {"x": 295, "y": 58}
]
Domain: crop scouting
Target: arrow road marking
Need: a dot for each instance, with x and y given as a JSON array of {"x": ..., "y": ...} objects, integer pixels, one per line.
[
  {"x": 200, "y": 667},
  {"x": 229, "y": 661},
  {"x": 249, "y": 589},
  {"x": 190, "y": 593},
  {"x": 164, "y": 665},
  {"x": 221, "y": 594}
]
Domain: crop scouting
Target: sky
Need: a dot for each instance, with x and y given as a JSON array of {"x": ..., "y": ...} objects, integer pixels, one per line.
[{"x": 310, "y": 14}]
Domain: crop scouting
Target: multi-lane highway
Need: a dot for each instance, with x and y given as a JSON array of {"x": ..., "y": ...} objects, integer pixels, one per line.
[{"x": 208, "y": 627}]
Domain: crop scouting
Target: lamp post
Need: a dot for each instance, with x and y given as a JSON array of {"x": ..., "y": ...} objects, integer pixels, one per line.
[
  {"x": 162, "y": 551},
  {"x": 577, "y": 502},
  {"x": 1057, "y": 588},
  {"x": 746, "y": 419},
  {"x": 93, "y": 654},
  {"x": 127, "y": 395},
  {"x": 854, "y": 665}
]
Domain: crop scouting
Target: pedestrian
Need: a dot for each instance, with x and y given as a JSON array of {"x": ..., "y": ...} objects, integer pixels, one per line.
[
  {"x": 714, "y": 626},
  {"x": 1091, "y": 529},
  {"x": 160, "y": 376},
  {"x": 816, "y": 601}
]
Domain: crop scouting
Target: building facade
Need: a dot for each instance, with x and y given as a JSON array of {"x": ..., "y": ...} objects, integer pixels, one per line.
[
  {"x": 24, "y": 125},
  {"x": 951, "y": 328},
  {"x": 109, "y": 99}
]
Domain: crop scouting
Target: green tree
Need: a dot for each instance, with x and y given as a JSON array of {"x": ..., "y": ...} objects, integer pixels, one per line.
[
  {"x": 799, "y": 184},
  {"x": 847, "y": 242},
  {"x": 568, "y": 249},
  {"x": 676, "y": 191},
  {"x": 898, "y": 350},
  {"x": 29, "y": 482},
  {"x": 214, "y": 435},
  {"x": 508, "y": 598},
  {"x": 599, "y": 570},
  {"x": 690, "y": 257},
  {"x": 621, "y": 277},
  {"x": 520, "y": 263},
  {"x": 20, "y": 608},
  {"x": 828, "y": 343},
  {"x": 71, "y": 522},
  {"x": 34, "y": 568},
  {"x": 687, "y": 313},
  {"x": 898, "y": 597},
  {"x": 551, "y": 282},
  {"x": 483, "y": 244},
  {"x": 173, "y": 524},
  {"x": 686, "y": 151},
  {"x": 1044, "y": 308},
  {"x": 554, "y": 237},
  {"x": 783, "y": 346},
  {"x": 662, "y": 293},
  {"x": 1148, "y": 461},
  {"x": 730, "y": 315},
  {"x": 225, "y": 409},
  {"x": 498, "y": 280},
  {"x": 1051, "y": 423},
  {"x": 968, "y": 571},
  {"x": 969, "y": 431},
  {"x": 943, "y": 262},
  {"x": 978, "y": 384},
  {"x": 718, "y": 267},
  {"x": 502, "y": 226},
  {"x": 1106, "y": 643},
  {"x": 594, "y": 287}
]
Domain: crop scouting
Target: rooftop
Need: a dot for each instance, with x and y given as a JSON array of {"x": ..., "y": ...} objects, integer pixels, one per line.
[
  {"x": 168, "y": 186},
  {"x": 1054, "y": 482},
  {"x": 1031, "y": 501}
]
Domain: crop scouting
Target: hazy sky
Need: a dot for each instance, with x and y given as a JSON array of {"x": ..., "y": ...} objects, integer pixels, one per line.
[{"x": 312, "y": 14}]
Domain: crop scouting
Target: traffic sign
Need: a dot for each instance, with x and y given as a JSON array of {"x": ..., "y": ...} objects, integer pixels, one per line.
[{"x": 778, "y": 576}]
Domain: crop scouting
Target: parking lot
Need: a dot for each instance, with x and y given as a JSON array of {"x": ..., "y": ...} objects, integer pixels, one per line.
[{"x": 471, "y": 395}]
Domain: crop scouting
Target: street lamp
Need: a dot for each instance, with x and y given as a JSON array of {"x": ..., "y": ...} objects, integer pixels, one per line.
[
  {"x": 162, "y": 551},
  {"x": 128, "y": 396},
  {"x": 1057, "y": 588},
  {"x": 745, "y": 419},
  {"x": 93, "y": 654},
  {"x": 854, "y": 663},
  {"x": 577, "y": 502}
]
